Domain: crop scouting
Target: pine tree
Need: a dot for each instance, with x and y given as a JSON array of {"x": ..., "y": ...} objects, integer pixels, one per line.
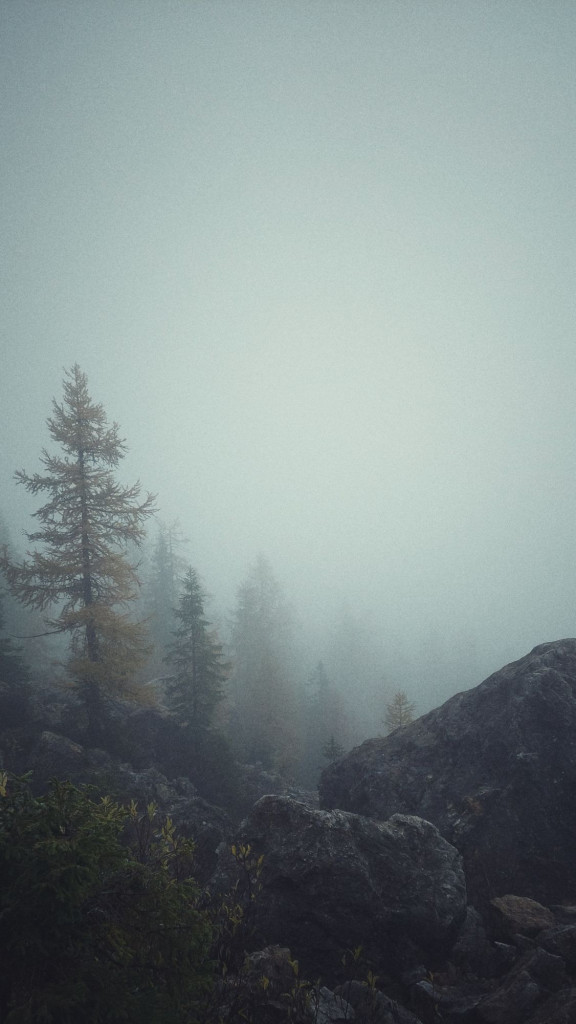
[
  {"x": 82, "y": 569},
  {"x": 161, "y": 584},
  {"x": 196, "y": 656},
  {"x": 399, "y": 712}
]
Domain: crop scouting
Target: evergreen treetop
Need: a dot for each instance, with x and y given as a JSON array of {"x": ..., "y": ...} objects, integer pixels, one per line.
[{"x": 196, "y": 657}]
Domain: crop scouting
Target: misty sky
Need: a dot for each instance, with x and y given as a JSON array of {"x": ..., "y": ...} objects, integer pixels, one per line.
[{"x": 317, "y": 258}]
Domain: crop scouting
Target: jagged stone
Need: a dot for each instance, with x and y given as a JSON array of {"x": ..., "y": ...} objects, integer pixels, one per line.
[
  {"x": 333, "y": 881},
  {"x": 561, "y": 941},
  {"x": 332, "y": 1008},
  {"x": 533, "y": 979},
  {"x": 494, "y": 768},
  {"x": 255, "y": 781},
  {"x": 374, "y": 1006},
  {"x": 474, "y": 954},
  {"x": 518, "y": 915}
]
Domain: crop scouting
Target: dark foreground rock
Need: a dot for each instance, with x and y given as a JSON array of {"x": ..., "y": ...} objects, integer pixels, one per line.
[
  {"x": 494, "y": 768},
  {"x": 531, "y": 981},
  {"x": 53, "y": 756},
  {"x": 332, "y": 882}
]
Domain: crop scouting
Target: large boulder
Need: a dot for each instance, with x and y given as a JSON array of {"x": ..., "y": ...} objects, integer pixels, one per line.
[
  {"x": 494, "y": 768},
  {"x": 333, "y": 881}
]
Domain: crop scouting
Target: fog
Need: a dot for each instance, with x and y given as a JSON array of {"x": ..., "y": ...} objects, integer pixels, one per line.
[{"x": 318, "y": 260}]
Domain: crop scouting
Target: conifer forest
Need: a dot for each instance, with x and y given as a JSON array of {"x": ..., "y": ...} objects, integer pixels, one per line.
[{"x": 287, "y": 507}]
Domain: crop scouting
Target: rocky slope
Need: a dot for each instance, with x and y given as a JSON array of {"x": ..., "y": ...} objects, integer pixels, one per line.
[
  {"x": 412, "y": 892},
  {"x": 494, "y": 769}
]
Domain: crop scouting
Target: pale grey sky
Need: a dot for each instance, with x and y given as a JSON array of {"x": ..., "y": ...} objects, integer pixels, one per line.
[{"x": 318, "y": 260}]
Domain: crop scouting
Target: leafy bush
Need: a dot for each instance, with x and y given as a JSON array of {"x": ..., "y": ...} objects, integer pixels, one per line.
[{"x": 93, "y": 928}]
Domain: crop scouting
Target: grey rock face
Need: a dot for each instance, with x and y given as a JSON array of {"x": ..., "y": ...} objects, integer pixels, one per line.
[
  {"x": 494, "y": 768},
  {"x": 333, "y": 881}
]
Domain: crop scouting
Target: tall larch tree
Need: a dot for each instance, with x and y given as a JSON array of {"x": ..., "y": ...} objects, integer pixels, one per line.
[
  {"x": 196, "y": 658},
  {"x": 399, "y": 712},
  {"x": 81, "y": 570}
]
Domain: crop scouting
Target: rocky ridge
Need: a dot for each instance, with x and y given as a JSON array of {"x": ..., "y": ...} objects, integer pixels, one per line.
[{"x": 494, "y": 769}]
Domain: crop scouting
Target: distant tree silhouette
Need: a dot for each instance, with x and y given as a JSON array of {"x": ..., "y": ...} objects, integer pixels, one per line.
[
  {"x": 263, "y": 724},
  {"x": 332, "y": 750},
  {"x": 323, "y": 720}
]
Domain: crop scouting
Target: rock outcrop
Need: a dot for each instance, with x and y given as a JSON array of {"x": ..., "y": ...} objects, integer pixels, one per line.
[
  {"x": 494, "y": 769},
  {"x": 333, "y": 881},
  {"x": 55, "y": 756}
]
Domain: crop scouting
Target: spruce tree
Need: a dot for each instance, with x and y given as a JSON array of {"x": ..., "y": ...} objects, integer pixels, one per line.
[
  {"x": 196, "y": 657},
  {"x": 161, "y": 586},
  {"x": 81, "y": 569}
]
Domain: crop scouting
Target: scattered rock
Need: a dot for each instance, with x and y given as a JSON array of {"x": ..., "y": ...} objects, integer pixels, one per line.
[
  {"x": 255, "y": 781},
  {"x": 533, "y": 979},
  {"x": 374, "y": 1006},
  {"x": 475, "y": 954},
  {"x": 332, "y": 1008}
]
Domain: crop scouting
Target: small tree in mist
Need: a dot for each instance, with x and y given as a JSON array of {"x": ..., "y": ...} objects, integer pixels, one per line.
[
  {"x": 399, "y": 712},
  {"x": 196, "y": 657},
  {"x": 82, "y": 568},
  {"x": 332, "y": 750},
  {"x": 323, "y": 720}
]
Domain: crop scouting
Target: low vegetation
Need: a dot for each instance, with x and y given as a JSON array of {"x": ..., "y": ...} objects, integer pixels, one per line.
[{"x": 102, "y": 921}]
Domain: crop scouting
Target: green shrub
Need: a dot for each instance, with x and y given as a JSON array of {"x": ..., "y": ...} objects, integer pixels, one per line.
[{"x": 93, "y": 928}]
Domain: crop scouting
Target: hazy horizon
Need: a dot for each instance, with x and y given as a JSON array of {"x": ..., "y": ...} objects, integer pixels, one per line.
[{"x": 317, "y": 260}]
